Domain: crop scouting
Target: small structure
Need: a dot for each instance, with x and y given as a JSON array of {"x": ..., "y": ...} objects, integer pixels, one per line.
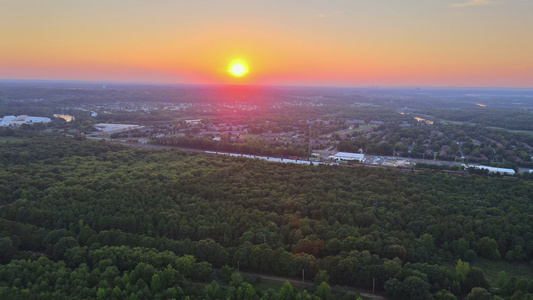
[
  {"x": 197, "y": 121},
  {"x": 346, "y": 156}
]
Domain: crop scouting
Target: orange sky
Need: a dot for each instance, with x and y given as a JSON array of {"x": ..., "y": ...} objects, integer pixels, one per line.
[{"x": 297, "y": 42}]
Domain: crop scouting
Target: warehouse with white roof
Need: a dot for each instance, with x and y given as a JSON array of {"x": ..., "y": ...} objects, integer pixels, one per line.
[
  {"x": 503, "y": 171},
  {"x": 348, "y": 156},
  {"x": 22, "y": 119}
]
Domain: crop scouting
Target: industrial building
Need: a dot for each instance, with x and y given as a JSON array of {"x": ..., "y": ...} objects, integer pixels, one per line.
[
  {"x": 22, "y": 119},
  {"x": 105, "y": 128},
  {"x": 502, "y": 171},
  {"x": 348, "y": 156}
]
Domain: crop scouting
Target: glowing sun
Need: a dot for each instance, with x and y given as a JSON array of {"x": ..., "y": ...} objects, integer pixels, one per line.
[{"x": 238, "y": 69}]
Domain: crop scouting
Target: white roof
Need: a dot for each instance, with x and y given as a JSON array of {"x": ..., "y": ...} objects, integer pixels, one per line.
[
  {"x": 37, "y": 119},
  {"x": 494, "y": 169},
  {"x": 107, "y": 127},
  {"x": 22, "y": 119},
  {"x": 349, "y": 156}
]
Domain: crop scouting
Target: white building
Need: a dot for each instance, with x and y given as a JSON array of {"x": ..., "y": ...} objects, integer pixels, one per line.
[
  {"x": 106, "y": 128},
  {"x": 496, "y": 170},
  {"x": 348, "y": 156},
  {"x": 22, "y": 119}
]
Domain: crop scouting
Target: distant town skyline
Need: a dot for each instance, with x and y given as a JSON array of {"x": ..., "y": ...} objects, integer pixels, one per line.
[{"x": 460, "y": 43}]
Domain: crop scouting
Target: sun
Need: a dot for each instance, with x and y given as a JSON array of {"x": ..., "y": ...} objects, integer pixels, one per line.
[{"x": 238, "y": 69}]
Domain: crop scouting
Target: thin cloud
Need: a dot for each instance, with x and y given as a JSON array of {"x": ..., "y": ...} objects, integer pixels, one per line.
[
  {"x": 475, "y": 3},
  {"x": 334, "y": 13}
]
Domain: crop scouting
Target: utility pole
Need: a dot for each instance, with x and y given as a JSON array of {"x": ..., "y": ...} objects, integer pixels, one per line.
[
  {"x": 373, "y": 284},
  {"x": 309, "y": 138},
  {"x": 238, "y": 264},
  {"x": 303, "y": 275}
]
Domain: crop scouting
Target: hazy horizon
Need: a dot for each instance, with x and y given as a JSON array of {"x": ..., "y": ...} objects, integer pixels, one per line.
[{"x": 110, "y": 84}]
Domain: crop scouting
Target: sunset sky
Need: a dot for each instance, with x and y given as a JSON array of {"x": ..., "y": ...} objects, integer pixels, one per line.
[{"x": 477, "y": 43}]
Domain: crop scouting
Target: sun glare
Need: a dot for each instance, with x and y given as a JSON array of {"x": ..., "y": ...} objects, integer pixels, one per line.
[{"x": 237, "y": 69}]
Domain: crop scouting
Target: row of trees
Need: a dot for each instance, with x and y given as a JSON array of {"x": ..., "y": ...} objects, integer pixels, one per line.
[{"x": 224, "y": 146}]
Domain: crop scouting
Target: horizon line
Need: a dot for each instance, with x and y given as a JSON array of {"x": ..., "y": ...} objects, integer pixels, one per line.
[{"x": 147, "y": 83}]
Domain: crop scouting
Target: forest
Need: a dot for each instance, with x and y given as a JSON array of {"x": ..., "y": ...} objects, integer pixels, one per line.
[
  {"x": 95, "y": 220},
  {"x": 504, "y": 118}
]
